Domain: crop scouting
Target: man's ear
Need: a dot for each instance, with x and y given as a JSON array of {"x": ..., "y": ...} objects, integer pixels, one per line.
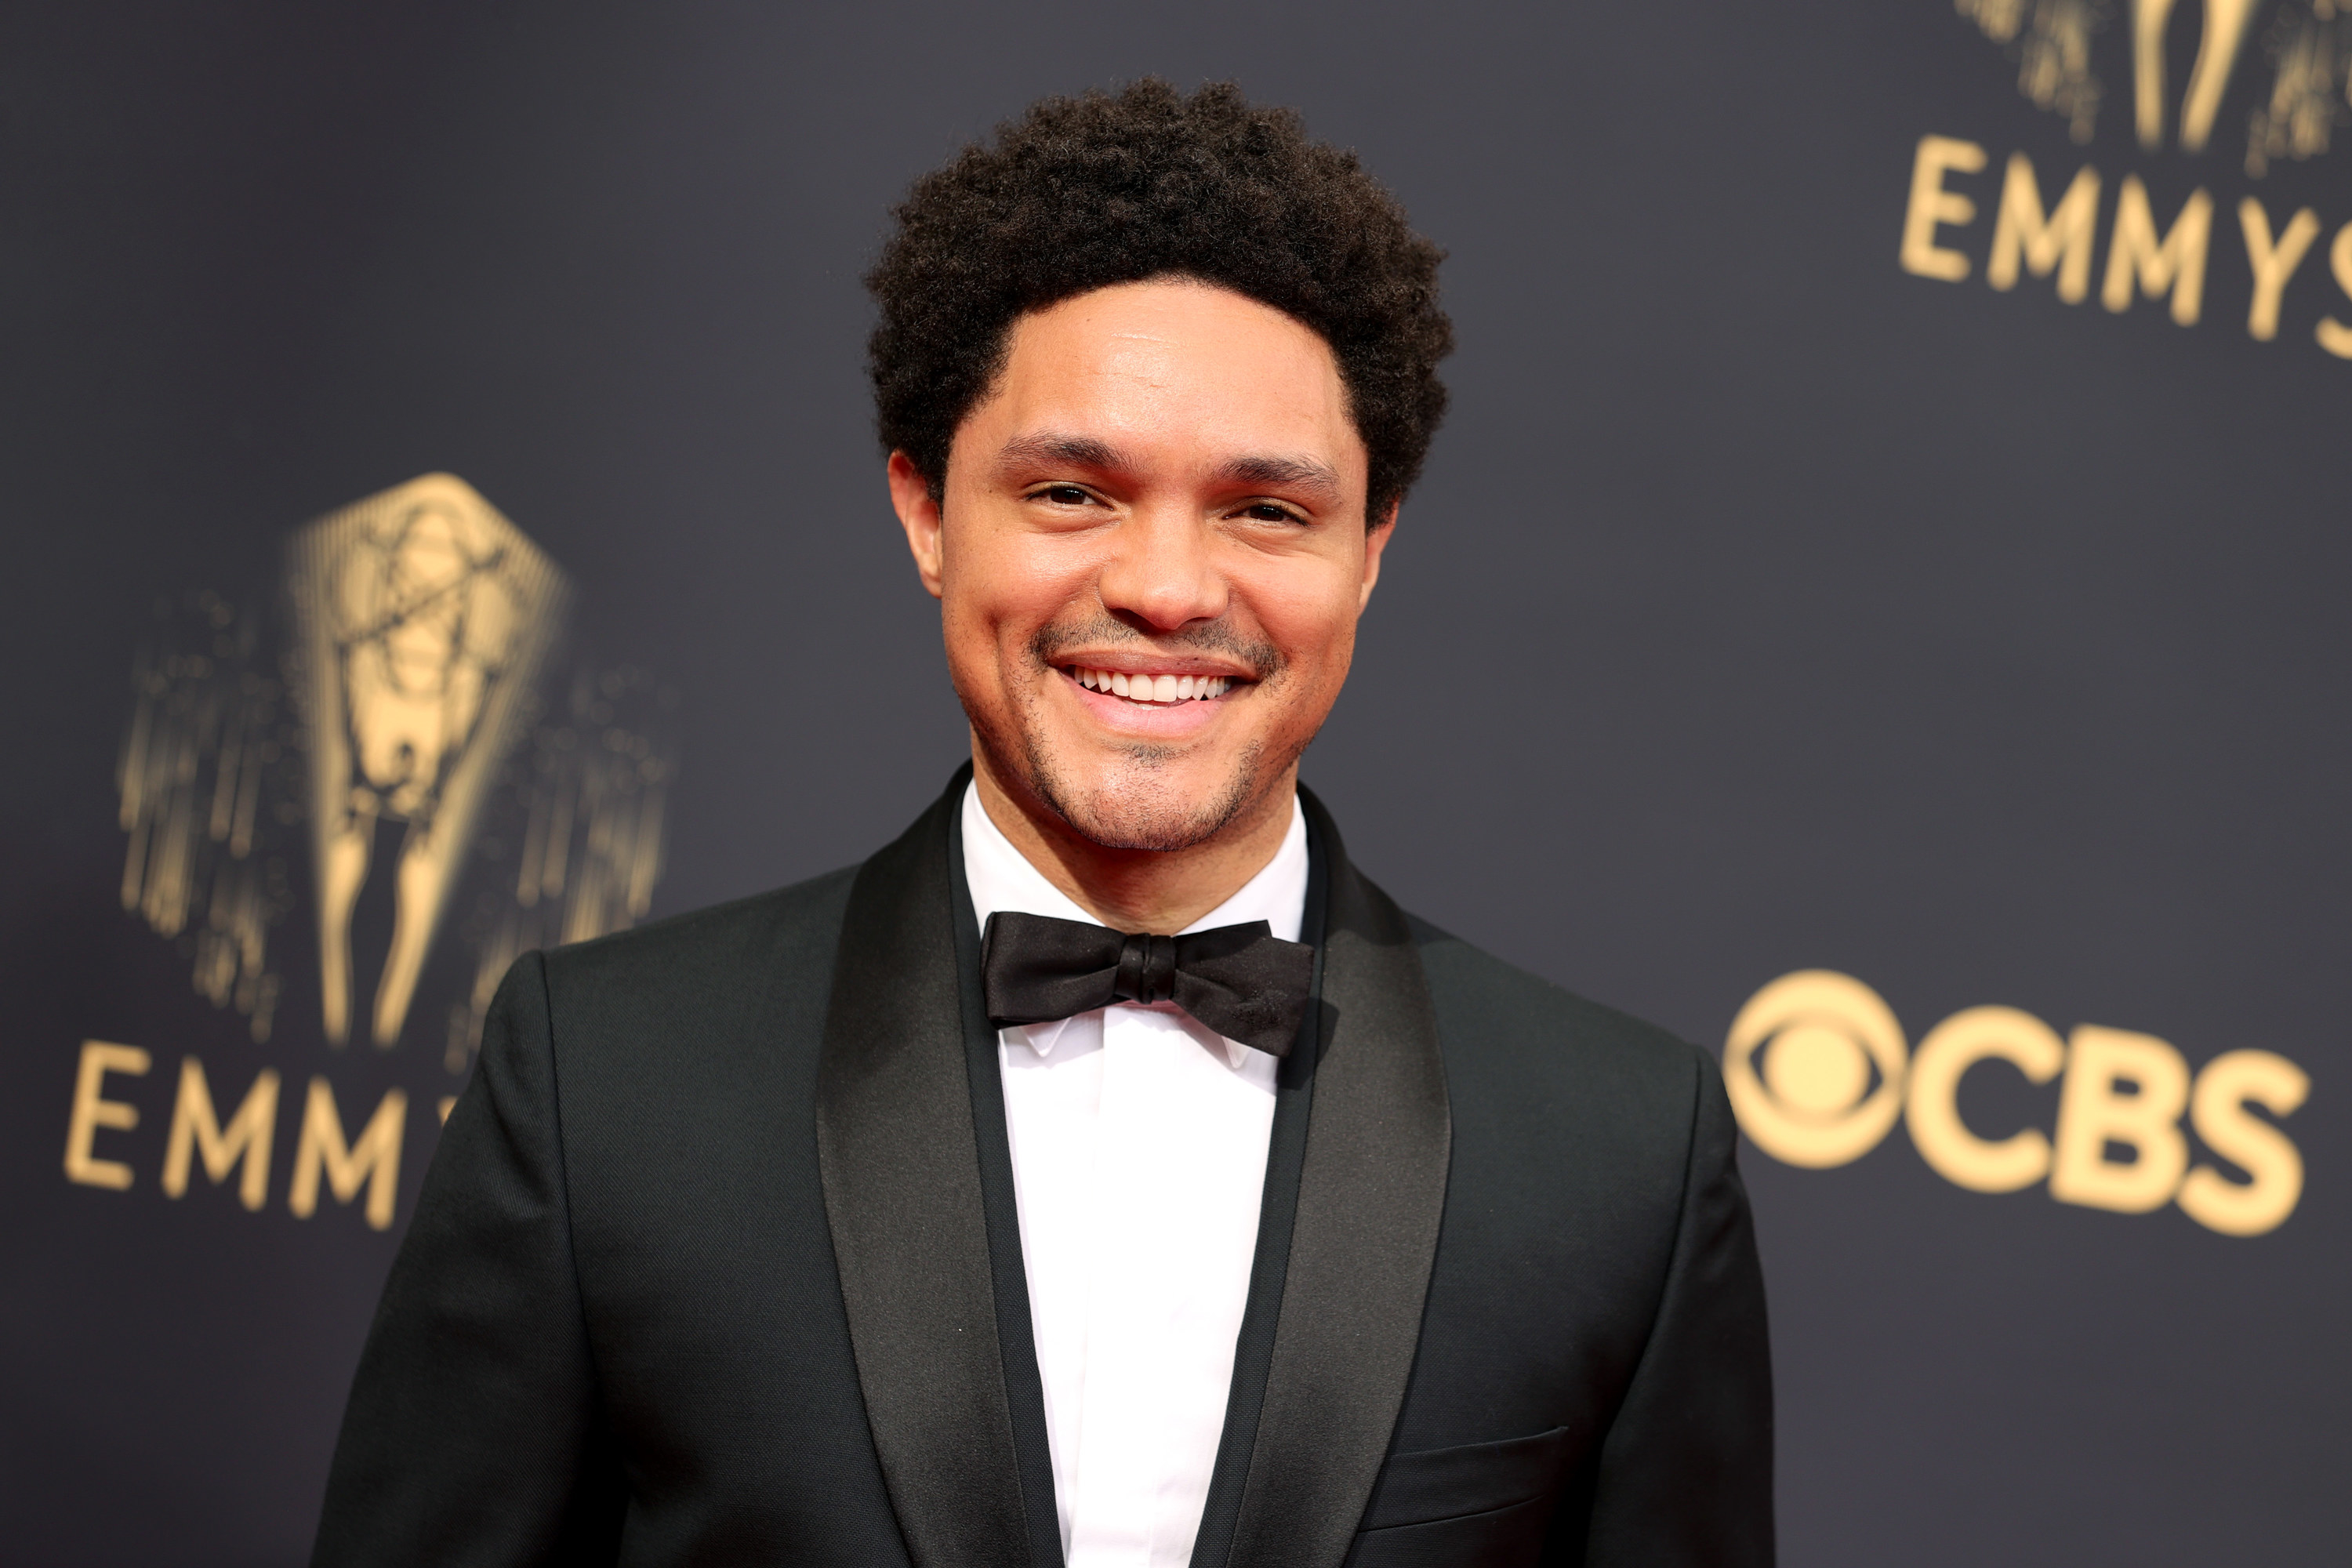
[
  {"x": 918, "y": 514},
  {"x": 1376, "y": 540}
]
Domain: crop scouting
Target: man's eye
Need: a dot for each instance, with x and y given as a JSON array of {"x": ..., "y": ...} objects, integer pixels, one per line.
[
  {"x": 1065, "y": 495},
  {"x": 1267, "y": 511}
]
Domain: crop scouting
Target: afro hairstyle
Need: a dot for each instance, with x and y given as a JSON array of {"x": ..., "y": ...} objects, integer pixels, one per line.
[{"x": 1078, "y": 193}]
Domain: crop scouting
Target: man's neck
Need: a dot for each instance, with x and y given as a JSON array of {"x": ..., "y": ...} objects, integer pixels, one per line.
[{"x": 1157, "y": 891}]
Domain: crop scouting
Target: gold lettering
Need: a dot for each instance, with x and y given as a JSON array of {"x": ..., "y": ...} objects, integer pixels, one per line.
[
  {"x": 2092, "y": 1114},
  {"x": 92, "y": 1110},
  {"x": 2177, "y": 262},
  {"x": 2334, "y": 335},
  {"x": 1932, "y": 1109},
  {"x": 2273, "y": 261},
  {"x": 2263, "y": 1151},
  {"x": 2061, "y": 241},
  {"x": 374, "y": 1156},
  {"x": 196, "y": 1127},
  {"x": 1932, "y": 204}
]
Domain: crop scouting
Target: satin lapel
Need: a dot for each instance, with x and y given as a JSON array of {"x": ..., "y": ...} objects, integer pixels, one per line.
[
  {"x": 902, "y": 1193},
  {"x": 1016, "y": 1338},
  {"x": 1285, "y": 1154},
  {"x": 1371, "y": 1189}
]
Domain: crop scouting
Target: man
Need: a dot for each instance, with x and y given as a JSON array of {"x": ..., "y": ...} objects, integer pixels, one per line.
[{"x": 945, "y": 1211}]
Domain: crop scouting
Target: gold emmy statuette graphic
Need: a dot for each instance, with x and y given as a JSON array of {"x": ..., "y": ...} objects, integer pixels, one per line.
[
  {"x": 424, "y": 618},
  {"x": 2051, "y": 40},
  {"x": 593, "y": 793},
  {"x": 206, "y": 745},
  {"x": 1822, "y": 1038},
  {"x": 2226, "y": 22},
  {"x": 416, "y": 689},
  {"x": 2309, "y": 42}
]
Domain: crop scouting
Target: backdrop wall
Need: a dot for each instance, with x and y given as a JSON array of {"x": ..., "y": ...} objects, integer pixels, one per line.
[{"x": 1837, "y": 565}]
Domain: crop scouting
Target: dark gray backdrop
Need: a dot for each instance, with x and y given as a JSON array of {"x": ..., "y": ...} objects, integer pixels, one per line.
[{"x": 1763, "y": 608}]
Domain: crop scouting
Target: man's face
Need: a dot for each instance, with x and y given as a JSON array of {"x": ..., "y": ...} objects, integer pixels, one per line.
[{"x": 1163, "y": 492}]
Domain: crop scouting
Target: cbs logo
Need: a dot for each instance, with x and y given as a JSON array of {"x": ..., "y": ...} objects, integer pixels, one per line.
[{"x": 1818, "y": 1072}]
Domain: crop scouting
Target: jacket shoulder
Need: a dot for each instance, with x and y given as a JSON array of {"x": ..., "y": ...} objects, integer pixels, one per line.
[
  {"x": 707, "y": 976},
  {"x": 702, "y": 944},
  {"x": 1498, "y": 1022}
]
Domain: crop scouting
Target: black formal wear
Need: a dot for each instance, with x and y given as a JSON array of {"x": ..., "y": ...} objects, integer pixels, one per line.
[{"x": 718, "y": 1262}]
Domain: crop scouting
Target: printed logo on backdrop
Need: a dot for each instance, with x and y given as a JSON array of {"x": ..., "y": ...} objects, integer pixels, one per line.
[
  {"x": 2269, "y": 87},
  {"x": 413, "y": 748},
  {"x": 1819, "y": 1072}
]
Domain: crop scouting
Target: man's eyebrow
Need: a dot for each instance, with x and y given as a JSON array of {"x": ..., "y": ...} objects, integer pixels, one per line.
[
  {"x": 1280, "y": 472},
  {"x": 1081, "y": 452},
  {"x": 1268, "y": 471}
]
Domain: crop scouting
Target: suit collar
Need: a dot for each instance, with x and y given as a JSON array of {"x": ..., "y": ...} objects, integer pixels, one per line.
[{"x": 918, "y": 1179}]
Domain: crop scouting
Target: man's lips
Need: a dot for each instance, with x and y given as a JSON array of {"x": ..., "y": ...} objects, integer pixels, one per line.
[{"x": 1150, "y": 689}]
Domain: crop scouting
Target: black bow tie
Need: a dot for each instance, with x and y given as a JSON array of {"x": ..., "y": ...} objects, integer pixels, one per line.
[{"x": 1240, "y": 980}]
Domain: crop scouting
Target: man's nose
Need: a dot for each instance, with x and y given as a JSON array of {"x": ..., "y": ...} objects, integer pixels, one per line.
[{"x": 1163, "y": 569}]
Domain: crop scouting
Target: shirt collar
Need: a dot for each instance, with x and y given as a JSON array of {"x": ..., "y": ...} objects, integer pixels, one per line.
[{"x": 1000, "y": 878}]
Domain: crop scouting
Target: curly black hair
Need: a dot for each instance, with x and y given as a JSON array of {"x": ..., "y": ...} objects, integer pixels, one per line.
[{"x": 1078, "y": 193}]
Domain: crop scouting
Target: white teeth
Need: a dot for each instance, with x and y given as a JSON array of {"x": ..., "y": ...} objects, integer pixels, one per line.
[{"x": 1154, "y": 688}]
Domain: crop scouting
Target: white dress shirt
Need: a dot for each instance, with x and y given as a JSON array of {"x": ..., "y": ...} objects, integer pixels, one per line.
[{"x": 1139, "y": 1154}]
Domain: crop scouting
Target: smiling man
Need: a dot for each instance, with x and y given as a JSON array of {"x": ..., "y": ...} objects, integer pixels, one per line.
[
  {"x": 1150, "y": 587},
  {"x": 1105, "y": 1173}
]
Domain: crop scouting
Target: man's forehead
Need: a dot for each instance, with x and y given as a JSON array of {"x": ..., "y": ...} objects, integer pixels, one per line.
[{"x": 1166, "y": 333}]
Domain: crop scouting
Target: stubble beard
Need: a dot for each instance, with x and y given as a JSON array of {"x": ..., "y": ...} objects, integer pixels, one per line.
[{"x": 1138, "y": 808}]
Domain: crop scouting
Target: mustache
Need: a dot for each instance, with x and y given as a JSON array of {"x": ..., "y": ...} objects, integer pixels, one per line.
[{"x": 1262, "y": 657}]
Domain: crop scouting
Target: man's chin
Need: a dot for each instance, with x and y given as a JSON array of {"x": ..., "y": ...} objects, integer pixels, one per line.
[{"x": 1148, "y": 806}]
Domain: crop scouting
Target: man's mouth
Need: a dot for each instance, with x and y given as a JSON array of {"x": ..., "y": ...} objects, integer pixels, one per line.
[{"x": 1162, "y": 691}]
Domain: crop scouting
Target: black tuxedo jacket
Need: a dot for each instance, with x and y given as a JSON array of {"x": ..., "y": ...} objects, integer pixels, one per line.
[{"x": 718, "y": 1262}]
